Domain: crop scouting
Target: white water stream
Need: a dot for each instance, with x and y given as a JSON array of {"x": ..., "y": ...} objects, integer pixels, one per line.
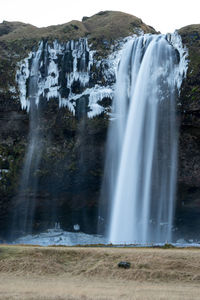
[{"x": 142, "y": 143}]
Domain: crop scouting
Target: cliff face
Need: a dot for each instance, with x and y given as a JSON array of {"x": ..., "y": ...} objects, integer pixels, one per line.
[
  {"x": 73, "y": 135},
  {"x": 72, "y": 124},
  {"x": 189, "y": 146}
]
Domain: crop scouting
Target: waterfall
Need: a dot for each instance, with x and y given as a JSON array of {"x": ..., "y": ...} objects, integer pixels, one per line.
[
  {"x": 23, "y": 216},
  {"x": 68, "y": 76},
  {"x": 141, "y": 162}
]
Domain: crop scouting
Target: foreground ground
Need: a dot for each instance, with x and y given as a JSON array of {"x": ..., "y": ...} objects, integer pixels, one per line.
[{"x": 58, "y": 273}]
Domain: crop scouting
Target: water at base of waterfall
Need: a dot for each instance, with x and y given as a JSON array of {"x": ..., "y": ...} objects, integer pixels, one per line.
[{"x": 57, "y": 236}]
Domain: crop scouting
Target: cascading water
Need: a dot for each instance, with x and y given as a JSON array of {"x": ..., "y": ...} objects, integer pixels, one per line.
[
  {"x": 23, "y": 218},
  {"x": 142, "y": 143},
  {"x": 57, "y": 75}
]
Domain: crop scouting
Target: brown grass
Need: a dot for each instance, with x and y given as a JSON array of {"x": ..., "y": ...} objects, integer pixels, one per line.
[
  {"x": 57, "y": 273},
  {"x": 146, "y": 263},
  {"x": 114, "y": 24},
  {"x": 69, "y": 287},
  {"x": 109, "y": 24}
]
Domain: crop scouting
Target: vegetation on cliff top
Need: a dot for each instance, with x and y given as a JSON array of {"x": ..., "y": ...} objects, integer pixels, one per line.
[
  {"x": 106, "y": 24},
  {"x": 18, "y": 39}
]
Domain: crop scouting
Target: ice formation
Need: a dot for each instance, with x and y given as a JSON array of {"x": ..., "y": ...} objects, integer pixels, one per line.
[{"x": 62, "y": 68}]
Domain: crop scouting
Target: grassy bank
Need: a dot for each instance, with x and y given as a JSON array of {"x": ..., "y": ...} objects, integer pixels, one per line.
[{"x": 57, "y": 273}]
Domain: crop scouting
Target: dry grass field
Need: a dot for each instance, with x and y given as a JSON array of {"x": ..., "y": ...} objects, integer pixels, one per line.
[{"x": 91, "y": 273}]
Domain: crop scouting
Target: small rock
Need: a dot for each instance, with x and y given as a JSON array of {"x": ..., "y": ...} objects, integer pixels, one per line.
[
  {"x": 85, "y": 18},
  {"x": 124, "y": 264},
  {"x": 76, "y": 227}
]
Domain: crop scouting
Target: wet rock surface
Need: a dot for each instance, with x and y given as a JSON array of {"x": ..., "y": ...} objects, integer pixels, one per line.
[
  {"x": 188, "y": 197},
  {"x": 70, "y": 173},
  {"x": 72, "y": 146}
]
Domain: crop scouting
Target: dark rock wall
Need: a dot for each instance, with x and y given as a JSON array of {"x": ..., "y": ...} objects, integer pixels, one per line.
[
  {"x": 188, "y": 199},
  {"x": 13, "y": 138},
  {"x": 72, "y": 151},
  {"x": 70, "y": 172}
]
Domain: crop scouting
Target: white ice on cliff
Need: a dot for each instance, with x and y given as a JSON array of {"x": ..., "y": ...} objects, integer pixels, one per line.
[
  {"x": 21, "y": 77},
  {"x": 80, "y": 61},
  {"x": 78, "y": 69}
]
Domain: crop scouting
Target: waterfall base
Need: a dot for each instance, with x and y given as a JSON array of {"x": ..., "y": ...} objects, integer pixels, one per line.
[{"x": 64, "y": 238}]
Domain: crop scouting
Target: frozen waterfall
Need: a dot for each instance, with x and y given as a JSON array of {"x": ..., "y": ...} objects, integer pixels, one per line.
[
  {"x": 142, "y": 142},
  {"x": 64, "y": 76},
  {"x": 22, "y": 218}
]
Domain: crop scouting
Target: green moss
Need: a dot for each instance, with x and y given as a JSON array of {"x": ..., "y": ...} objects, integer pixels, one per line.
[
  {"x": 195, "y": 89},
  {"x": 97, "y": 172},
  {"x": 72, "y": 167},
  {"x": 168, "y": 246},
  {"x": 11, "y": 160}
]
